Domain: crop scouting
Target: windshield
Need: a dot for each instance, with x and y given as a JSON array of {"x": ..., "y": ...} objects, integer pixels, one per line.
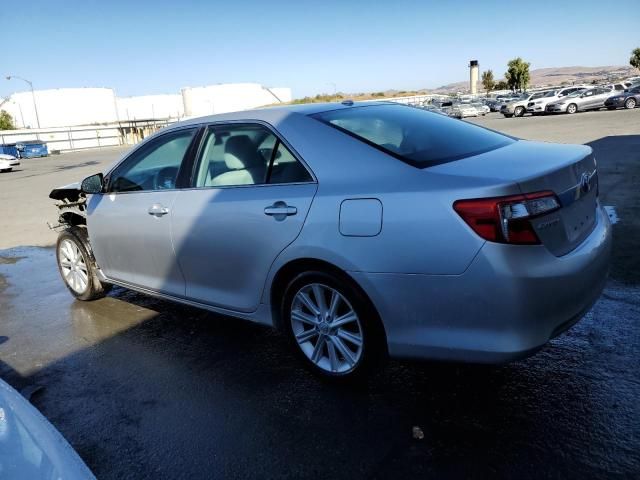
[{"x": 418, "y": 137}]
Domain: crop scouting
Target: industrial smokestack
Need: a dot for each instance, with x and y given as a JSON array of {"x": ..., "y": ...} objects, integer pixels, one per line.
[{"x": 473, "y": 76}]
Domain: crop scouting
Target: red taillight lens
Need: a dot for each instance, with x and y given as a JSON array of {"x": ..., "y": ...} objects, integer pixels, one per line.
[{"x": 506, "y": 219}]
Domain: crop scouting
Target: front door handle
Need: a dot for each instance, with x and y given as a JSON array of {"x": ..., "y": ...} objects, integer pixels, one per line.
[
  {"x": 157, "y": 210},
  {"x": 280, "y": 210}
]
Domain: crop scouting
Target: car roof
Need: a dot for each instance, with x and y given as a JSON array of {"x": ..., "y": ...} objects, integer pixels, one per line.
[{"x": 267, "y": 113}]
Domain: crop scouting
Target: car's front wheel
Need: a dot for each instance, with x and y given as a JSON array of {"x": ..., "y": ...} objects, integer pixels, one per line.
[
  {"x": 630, "y": 103},
  {"x": 519, "y": 112},
  {"x": 77, "y": 266},
  {"x": 331, "y": 325},
  {"x": 572, "y": 108}
]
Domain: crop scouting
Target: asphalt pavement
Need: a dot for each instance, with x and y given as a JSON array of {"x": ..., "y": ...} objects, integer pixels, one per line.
[{"x": 143, "y": 388}]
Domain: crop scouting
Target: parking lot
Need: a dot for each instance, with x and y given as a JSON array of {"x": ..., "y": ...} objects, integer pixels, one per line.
[{"x": 143, "y": 388}]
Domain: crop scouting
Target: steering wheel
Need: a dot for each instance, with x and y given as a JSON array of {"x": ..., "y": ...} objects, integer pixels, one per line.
[{"x": 165, "y": 178}]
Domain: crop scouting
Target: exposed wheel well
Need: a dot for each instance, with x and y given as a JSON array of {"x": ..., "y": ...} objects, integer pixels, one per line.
[
  {"x": 72, "y": 218},
  {"x": 288, "y": 271}
]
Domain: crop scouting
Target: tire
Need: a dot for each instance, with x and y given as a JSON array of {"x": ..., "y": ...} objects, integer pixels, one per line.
[
  {"x": 630, "y": 103},
  {"x": 6, "y": 170},
  {"x": 518, "y": 112},
  {"x": 77, "y": 266},
  {"x": 305, "y": 330},
  {"x": 507, "y": 115},
  {"x": 572, "y": 108}
]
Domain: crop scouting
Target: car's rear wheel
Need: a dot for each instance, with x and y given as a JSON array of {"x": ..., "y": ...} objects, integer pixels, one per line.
[
  {"x": 331, "y": 325},
  {"x": 630, "y": 103},
  {"x": 572, "y": 108},
  {"x": 77, "y": 266},
  {"x": 518, "y": 112}
]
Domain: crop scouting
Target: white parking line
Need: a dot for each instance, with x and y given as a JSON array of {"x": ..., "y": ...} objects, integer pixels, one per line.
[{"x": 613, "y": 216}]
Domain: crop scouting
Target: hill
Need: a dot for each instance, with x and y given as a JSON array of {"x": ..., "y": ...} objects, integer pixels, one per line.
[{"x": 542, "y": 77}]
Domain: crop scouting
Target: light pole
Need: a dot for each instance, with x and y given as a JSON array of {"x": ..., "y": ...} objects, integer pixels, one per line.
[{"x": 33, "y": 95}]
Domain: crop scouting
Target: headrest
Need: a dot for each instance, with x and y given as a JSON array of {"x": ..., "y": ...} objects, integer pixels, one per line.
[{"x": 240, "y": 153}]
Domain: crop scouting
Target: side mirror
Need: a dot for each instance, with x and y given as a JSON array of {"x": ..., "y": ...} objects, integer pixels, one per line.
[{"x": 92, "y": 184}]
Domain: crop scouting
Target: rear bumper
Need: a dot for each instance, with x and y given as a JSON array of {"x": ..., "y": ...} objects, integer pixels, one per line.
[{"x": 508, "y": 303}]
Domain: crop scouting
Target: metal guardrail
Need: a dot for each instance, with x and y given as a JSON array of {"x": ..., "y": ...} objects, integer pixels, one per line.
[{"x": 83, "y": 137}]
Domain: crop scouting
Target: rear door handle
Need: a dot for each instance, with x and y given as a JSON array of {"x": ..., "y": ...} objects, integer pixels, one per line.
[
  {"x": 157, "y": 210},
  {"x": 280, "y": 210}
]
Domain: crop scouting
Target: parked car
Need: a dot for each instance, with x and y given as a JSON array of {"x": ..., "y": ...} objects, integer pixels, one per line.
[
  {"x": 620, "y": 87},
  {"x": 463, "y": 110},
  {"x": 539, "y": 105},
  {"x": 359, "y": 229},
  {"x": 627, "y": 99},
  {"x": 481, "y": 108},
  {"x": 30, "y": 447},
  {"x": 591, "y": 99},
  {"x": 518, "y": 107},
  {"x": 432, "y": 108},
  {"x": 8, "y": 162},
  {"x": 494, "y": 104}
]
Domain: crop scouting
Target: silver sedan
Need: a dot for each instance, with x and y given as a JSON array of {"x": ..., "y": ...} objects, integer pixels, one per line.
[
  {"x": 359, "y": 230},
  {"x": 582, "y": 100}
]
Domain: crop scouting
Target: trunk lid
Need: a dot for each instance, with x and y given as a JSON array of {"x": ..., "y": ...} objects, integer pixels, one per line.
[{"x": 569, "y": 171}]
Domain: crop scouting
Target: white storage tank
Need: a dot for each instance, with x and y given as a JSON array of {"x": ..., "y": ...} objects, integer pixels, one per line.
[
  {"x": 147, "y": 107},
  {"x": 62, "y": 107},
  {"x": 230, "y": 97}
]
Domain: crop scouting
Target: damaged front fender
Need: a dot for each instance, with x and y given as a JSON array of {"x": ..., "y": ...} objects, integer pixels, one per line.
[{"x": 72, "y": 206}]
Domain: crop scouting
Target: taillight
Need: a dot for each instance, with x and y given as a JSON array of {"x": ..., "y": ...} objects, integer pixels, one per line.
[{"x": 507, "y": 219}]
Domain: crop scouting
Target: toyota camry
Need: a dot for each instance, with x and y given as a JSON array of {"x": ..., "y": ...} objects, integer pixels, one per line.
[{"x": 360, "y": 230}]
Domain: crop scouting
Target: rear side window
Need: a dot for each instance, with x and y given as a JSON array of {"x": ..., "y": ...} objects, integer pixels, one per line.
[
  {"x": 236, "y": 155},
  {"x": 418, "y": 137}
]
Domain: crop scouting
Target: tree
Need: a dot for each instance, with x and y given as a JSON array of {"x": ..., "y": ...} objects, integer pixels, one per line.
[
  {"x": 501, "y": 85},
  {"x": 517, "y": 75},
  {"x": 6, "y": 121},
  {"x": 487, "y": 80},
  {"x": 634, "y": 61}
]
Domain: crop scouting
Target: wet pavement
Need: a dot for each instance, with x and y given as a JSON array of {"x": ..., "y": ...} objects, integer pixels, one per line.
[
  {"x": 147, "y": 389},
  {"x": 143, "y": 388}
]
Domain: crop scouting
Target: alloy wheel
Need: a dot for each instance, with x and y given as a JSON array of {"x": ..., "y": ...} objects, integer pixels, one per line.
[
  {"x": 631, "y": 103},
  {"x": 73, "y": 266},
  {"x": 327, "y": 328}
]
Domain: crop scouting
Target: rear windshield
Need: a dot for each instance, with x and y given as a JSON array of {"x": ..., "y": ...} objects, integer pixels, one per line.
[{"x": 416, "y": 136}]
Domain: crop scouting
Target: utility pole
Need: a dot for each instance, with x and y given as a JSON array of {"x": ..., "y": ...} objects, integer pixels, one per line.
[{"x": 33, "y": 95}]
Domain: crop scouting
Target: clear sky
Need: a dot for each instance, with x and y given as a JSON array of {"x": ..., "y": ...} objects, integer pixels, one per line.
[{"x": 147, "y": 47}]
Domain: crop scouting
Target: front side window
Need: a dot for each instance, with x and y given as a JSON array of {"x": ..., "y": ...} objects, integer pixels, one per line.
[
  {"x": 420, "y": 138},
  {"x": 236, "y": 155},
  {"x": 154, "y": 166}
]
